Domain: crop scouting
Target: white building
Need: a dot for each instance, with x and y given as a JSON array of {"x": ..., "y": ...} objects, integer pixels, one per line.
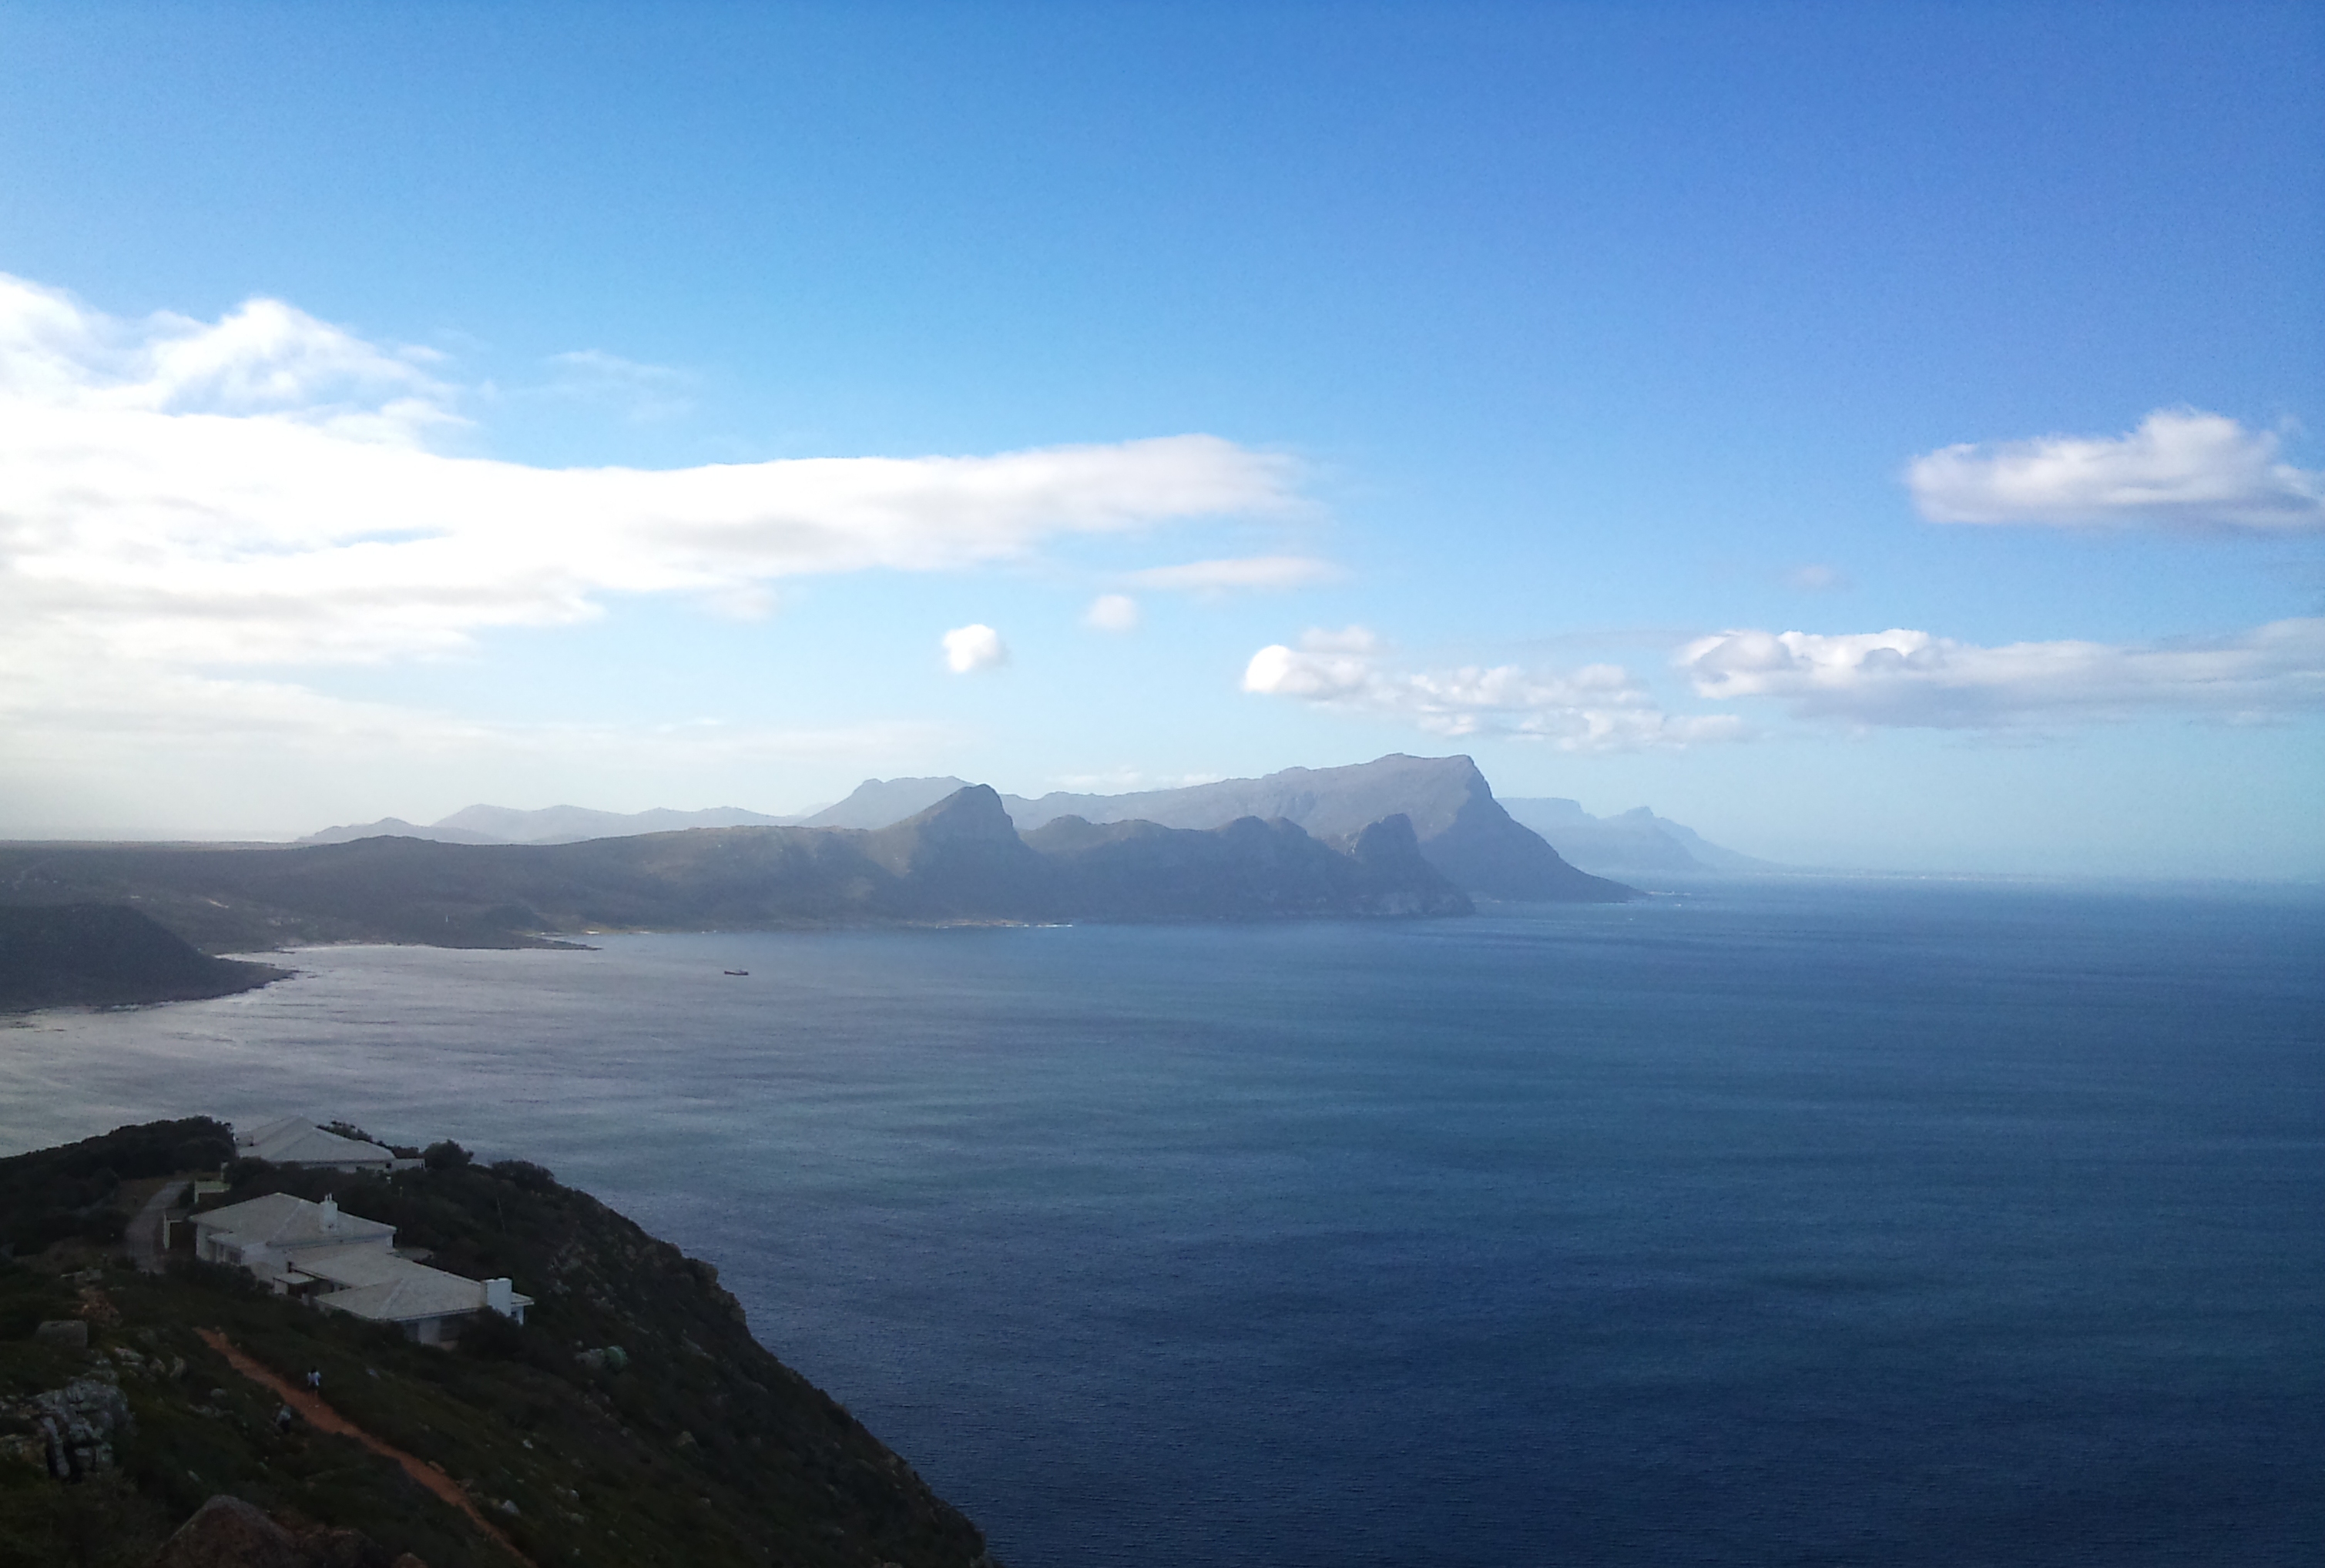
[
  {"x": 320, "y": 1253},
  {"x": 297, "y": 1143}
]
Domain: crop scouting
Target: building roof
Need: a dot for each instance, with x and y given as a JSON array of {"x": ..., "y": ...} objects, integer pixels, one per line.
[
  {"x": 354, "y": 1265},
  {"x": 296, "y": 1141},
  {"x": 287, "y": 1224},
  {"x": 387, "y": 1288}
]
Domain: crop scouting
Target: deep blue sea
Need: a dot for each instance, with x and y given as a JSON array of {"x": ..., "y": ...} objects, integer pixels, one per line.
[{"x": 1815, "y": 1222}]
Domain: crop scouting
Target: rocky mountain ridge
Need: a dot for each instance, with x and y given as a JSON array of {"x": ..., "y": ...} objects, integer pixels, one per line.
[
  {"x": 1460, "y": 829},
  {"x": 961, "y": 860}
]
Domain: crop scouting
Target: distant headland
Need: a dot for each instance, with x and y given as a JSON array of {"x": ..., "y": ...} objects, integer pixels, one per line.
[{"x": 1402, "y": 837}]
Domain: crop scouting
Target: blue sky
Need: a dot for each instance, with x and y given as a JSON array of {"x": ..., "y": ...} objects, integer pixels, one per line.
[{"x": 1555, "y": 361}]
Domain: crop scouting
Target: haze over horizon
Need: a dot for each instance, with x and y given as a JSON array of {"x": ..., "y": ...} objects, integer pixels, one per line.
[{"x": 1887, "y": 439}]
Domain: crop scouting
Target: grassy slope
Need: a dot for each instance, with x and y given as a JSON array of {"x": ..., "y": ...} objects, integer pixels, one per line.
[{"x": 704, "y": 1450}]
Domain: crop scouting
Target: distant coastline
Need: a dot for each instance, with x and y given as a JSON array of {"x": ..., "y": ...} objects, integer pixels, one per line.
[{"x": 1400, "y": 838}]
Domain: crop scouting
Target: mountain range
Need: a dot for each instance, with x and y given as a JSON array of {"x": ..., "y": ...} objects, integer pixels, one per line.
[
  {"x": 961, "y": 860},
  {"x": 1329, "y": 802},
  {"x": 1401, "y": 837},
  {"x": 557, "y": 825}
]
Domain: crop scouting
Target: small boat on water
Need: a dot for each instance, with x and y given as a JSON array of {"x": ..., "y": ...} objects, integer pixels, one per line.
[{"x": 738, "y": 972}]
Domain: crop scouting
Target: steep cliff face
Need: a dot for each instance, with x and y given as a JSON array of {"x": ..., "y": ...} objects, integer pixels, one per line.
[
  {"x": 1247, "y": 869},
  {"x": 1461, "y": 829},
  {"x": 1482, "y": 849},
  {"x": 962, "y": 859},
  {"x": 1396, "y": 858}
]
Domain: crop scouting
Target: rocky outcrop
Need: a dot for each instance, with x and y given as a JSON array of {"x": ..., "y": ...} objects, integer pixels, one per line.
[
  {"x": 68, "y": 1432},
  {"x": 226, "y": 1532}
]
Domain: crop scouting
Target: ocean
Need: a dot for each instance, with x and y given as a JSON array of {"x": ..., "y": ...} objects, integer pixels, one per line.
[{"x": 1791, "y": 1223}]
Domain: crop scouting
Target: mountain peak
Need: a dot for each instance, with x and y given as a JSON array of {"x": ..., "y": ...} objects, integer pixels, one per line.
[{"x": 973, "y": 811}]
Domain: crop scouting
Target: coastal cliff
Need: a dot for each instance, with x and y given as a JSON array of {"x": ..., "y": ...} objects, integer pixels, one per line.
[{"x": 632, "y": 1418}]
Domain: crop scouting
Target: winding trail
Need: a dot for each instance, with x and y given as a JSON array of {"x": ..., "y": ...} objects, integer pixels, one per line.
[{"x": 323, "y": 1418}]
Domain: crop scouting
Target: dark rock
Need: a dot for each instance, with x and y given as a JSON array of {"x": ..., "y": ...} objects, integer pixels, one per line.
[
  {"x": 228, "y": 1533},
  {"x": 81, "y": 1420}
]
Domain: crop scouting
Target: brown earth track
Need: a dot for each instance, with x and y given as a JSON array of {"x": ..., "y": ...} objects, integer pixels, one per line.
[{"x": 323, "y": 1418}]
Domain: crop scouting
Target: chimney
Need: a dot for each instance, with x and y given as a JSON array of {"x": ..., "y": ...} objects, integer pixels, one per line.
[
  {"x": 500, "y": 1295},
  {"x": 330, "y": 1212}
]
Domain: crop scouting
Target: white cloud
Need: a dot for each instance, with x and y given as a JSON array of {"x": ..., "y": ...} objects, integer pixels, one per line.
[
  {"x": 2181, "y": 468},
  {"x": 1237, "y": 572},
  {"x": 259, "y": 489},
  {"x": 1599, "y": 707},
  {"x": 974, "y": 647},
  {"x": 1911, "y": 679},
  {"x": 186, "y": 501},
  {"x": 266, "y": 359},
  {"x": 179, "y": 498},
  {"x": 1111, "y": 613}
]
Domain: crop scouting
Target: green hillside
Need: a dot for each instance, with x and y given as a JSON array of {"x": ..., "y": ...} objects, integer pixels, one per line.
[{"x": 632, "y": 1419}]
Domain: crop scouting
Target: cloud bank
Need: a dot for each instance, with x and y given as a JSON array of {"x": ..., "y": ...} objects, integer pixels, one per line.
[
  {"x": 1596, "y": 708},
  {"x": 2181, "y": 468},
  {"x": 180, "y": 498},
  {"x": 1914, "y": 679},
  {"x": 260, "y": 489},
  {"x": 1892, "y": 679}
]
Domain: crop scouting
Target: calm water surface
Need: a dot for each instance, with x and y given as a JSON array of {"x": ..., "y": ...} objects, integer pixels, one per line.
[{"x": 1784, "y": 1224}]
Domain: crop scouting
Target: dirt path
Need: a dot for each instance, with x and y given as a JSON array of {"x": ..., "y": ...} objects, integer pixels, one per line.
[{"x": 323, "y": 1418}]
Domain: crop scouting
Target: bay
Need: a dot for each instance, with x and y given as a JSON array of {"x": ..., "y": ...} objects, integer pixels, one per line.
[{"x": 1784, "y": 1222}]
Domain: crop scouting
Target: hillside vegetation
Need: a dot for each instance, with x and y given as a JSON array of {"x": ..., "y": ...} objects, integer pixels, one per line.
[
  {"x": 108, "y": 956},
  {"x": 632, "y": 1419}
]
